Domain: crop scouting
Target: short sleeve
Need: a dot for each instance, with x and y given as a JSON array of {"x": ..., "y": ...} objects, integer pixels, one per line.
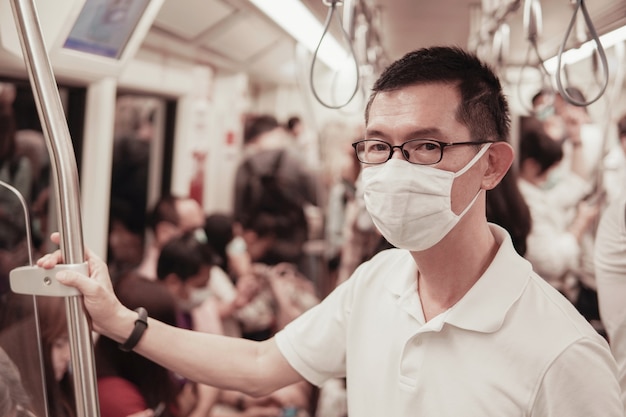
[{"x": 568, "y": 389}]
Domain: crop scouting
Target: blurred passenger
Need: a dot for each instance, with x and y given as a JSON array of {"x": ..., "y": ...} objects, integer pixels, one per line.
[
  {"x": 125, "y": 245},
  {"x": 554, "y": 242},
  {"x": 232, "y": 282},
  {"x": 31, "y": 144},
  {"x": 272, "y": 179},
  {"x": 129, "y": 182},
  {"x": 615, "y": 163},
  {"x": 307, "y": 143},
  {"x": 184, "y": 268},
  {"x": 570, "y": 126},
  {"x": 19, "y": 340},
  {"x": 260, "y": 301},
  {"x": 15, "y": 169},
  {"x": 13, "y": 250},
  {"x": 294, "y": 400},
  {"x": 14, "y": 400},
  {"x": 610, "y": 264},
  {"x": 170, "y": 217},
  {"x": 127, "y": 382},
  {"x": 361, "y": 238},
  {"x": 340, "y": 196}
]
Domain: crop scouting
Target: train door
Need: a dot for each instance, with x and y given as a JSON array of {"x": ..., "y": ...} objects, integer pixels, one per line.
[{"x": 140, "y": 173}]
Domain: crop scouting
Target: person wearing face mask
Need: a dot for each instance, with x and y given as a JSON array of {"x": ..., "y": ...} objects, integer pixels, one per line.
[
  {"x": 184, "y": 267},
  {"x": 452, "y": 322}
]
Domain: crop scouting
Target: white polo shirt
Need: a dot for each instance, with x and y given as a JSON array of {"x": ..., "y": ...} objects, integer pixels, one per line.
[{"x": 512, "y": 346}]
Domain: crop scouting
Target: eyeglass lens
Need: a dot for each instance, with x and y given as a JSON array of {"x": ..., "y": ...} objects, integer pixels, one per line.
[{"x": 418, "y": 151}]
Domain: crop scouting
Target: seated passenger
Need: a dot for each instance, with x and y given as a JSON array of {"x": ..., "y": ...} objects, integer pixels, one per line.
[
  {"x": 184, "y": 268},
  {"x": 171, "y": 216},
  {"x": 14, "y": 400},
  {"x": 127, "y": 382},
  {"x": 18, "y": 339}
]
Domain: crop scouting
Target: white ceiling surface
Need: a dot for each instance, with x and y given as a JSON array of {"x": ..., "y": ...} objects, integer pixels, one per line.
[{"x": 233, "y": 35}]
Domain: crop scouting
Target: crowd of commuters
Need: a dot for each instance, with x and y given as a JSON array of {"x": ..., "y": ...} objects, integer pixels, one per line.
[{"x": 240, "y": 324}]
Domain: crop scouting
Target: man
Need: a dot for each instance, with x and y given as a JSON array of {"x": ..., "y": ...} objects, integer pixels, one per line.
[{"x": 453, "y": 324}]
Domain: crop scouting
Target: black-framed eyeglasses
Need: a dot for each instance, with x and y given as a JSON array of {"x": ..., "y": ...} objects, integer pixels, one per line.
[{"x": 416, "y": 151}]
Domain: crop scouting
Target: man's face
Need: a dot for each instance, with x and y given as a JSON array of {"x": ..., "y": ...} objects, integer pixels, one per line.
[
  {"x": 190, "y": 293},
  {"x": 427, "y": 111}
]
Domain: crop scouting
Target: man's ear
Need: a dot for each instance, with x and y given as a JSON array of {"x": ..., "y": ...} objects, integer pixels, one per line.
[{"x": 500, "y": 158}]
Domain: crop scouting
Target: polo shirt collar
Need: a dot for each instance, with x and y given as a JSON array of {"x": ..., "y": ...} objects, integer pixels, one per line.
[{"x": 484, "y": 307}]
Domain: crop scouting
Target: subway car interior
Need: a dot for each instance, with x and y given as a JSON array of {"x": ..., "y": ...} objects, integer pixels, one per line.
[{"x": 128, "y": 126}]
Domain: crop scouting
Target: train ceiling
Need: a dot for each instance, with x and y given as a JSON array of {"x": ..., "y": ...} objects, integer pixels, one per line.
[{"x": 233, "y": 35}]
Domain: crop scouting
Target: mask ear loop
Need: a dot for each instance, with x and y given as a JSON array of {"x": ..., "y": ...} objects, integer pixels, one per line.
[{"x": 471, "y": 163}]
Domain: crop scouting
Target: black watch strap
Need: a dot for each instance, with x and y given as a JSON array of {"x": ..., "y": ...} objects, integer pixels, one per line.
[{"x": 141, "y": 324}]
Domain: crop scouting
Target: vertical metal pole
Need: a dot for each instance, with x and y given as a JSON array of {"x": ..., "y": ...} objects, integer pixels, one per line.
[{"x": 65, "y": 179}]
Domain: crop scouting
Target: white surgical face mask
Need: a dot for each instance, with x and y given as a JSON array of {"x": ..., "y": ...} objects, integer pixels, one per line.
[
  {"x": 196, "y": 297},
  {"x": 410, "y": 204}
]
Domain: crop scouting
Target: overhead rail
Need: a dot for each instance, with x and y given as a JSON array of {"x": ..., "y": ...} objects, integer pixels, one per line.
[{"x": 65, "y": 182}]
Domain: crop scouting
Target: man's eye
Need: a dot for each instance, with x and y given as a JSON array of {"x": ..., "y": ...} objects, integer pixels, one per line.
[
  {"x": 428, "y": 146},
  {"x": 377, "y": 147},
  {"x": 419, "y": 146}
]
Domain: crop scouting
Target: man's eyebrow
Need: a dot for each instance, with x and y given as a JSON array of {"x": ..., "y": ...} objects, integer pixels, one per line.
[{"x": 426, "y": 132}]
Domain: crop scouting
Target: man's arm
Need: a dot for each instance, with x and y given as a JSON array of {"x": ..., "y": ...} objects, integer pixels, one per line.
[{"x": 256, "y": 368}]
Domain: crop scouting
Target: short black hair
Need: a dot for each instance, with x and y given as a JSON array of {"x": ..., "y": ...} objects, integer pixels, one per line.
[
  {"x": 483, "y": 109},
  {"x": 292, "y": 122},
  {"x": 537, "y": 145},
  {"x": 163, "y": 211},
  {"x": 184, "y": 256},
  {"x": 256, "y": 125}
]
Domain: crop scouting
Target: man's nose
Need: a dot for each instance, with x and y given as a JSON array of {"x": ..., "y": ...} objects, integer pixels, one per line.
[{"x": 397, "y": 155}]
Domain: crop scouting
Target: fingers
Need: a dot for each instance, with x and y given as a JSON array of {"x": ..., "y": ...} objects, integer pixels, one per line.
[
  {"x": 50, "y": 260},
  {"x": 77, "y": 280}
]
